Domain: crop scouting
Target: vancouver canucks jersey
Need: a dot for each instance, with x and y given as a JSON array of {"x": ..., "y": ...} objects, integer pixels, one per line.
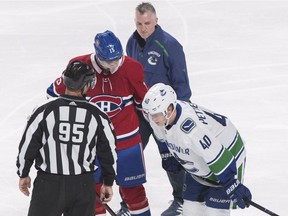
[{"x": 205, "y": 143}]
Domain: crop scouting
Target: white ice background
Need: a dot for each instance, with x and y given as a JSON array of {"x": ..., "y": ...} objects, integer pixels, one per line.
[{"x": 237, "y": 58}]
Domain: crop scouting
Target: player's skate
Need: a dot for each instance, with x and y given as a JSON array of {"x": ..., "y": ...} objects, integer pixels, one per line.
[
  {"x": 174, "y": 209},
  {"x": 123, "y": 210}
]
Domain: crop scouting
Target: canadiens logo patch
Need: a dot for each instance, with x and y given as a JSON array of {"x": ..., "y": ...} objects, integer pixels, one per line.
[
  {"x": 188, "y": 125},
  {"x": 109, "y": 104}
]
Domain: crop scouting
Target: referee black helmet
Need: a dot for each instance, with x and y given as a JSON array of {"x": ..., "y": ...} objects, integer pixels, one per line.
[{"x": 77, "y": 74}]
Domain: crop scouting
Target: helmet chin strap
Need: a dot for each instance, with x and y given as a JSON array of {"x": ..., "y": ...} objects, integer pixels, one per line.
[
  {"x": 82, "y": 92},
  {"x": 168, "y": 118}
]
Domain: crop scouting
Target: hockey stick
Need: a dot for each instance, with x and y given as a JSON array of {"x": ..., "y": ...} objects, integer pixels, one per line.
[
  {"x": 261, "y": 208},
  {"x": 107, "y": 207}
]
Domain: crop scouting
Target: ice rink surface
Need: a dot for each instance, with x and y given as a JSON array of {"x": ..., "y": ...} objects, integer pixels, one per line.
[{"x": 237, "y": 58}]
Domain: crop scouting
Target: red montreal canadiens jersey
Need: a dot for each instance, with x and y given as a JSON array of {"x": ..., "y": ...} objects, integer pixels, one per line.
[{"x": 116, "y": 94}]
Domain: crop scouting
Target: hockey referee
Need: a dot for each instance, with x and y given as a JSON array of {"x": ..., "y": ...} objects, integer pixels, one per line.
[{"x": 64, "y": 136}]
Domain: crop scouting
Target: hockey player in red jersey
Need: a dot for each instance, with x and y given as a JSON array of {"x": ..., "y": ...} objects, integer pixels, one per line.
[{"x": 119, "y": 91}]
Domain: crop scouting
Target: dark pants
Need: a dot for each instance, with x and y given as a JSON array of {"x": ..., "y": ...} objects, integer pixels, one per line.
[
  {"x": 214, "y": 197},
  {"x": 176, "y": 180},
  {"x": 56, "y": 194}
]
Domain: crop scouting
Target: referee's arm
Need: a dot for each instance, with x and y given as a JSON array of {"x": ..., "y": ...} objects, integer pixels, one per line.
[
  {"x": 30, "y": 143},
  {"x": 105, "y": 150}
]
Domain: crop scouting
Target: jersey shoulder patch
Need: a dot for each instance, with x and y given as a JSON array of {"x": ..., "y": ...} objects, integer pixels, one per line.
[{"x": 187, "y": 125}]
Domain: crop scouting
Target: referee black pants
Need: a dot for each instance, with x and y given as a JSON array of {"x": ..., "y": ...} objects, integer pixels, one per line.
[{"x": 54, "y": 195}]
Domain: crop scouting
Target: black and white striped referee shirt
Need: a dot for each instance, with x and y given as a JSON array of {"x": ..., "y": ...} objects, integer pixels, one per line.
[{"x": 64, "y": 135}]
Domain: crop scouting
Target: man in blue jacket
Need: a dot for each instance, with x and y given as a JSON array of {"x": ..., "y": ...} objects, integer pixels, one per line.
[{"x": 164, "y": 61}]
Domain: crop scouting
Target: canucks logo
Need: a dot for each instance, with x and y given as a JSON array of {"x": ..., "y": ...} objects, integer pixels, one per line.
[
  {"x": 162, "y": 92},
  {"x": 153, "y": 57},
  {"x": 152, "y": 60},
  {"x": 188, "y": 125}
]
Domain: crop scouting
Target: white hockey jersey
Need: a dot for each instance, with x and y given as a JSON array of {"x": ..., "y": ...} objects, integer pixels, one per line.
[{"x": 205, "y": 143}]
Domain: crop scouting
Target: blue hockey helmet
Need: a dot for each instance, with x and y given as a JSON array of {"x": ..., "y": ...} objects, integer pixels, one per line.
[
  {"x": 78, "y": 74},
  {"x": 107, "y": 46}
]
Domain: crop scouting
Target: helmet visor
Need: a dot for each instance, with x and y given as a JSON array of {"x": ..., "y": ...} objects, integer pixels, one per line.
[{"x": 158, "y": 118}]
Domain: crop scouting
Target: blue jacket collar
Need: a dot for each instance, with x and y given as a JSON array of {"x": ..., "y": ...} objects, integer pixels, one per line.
[{"x": 154, "y": 35}]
